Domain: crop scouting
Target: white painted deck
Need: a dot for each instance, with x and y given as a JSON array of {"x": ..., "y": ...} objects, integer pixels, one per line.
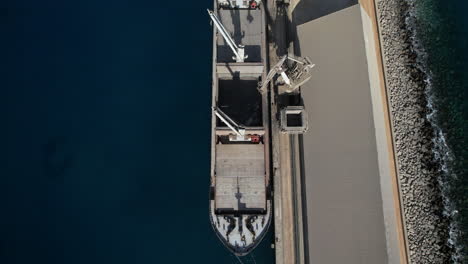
[{"x": 242, "y": 238}]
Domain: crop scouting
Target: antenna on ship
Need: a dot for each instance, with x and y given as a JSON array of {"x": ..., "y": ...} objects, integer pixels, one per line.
[{"x": 237, "y": 49}]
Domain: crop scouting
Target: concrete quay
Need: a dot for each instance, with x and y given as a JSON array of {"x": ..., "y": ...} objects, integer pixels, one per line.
[
  {"x": 336, "y": 191},
  {"x": 289, "y": 234}
]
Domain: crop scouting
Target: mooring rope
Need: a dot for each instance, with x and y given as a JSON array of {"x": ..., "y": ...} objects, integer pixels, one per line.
[{"x": 239, "y": 259}]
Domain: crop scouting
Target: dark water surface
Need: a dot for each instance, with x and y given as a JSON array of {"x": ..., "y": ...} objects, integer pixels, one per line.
[
  {"x": 442, "y": 42},
  {"x": 106, "y": 138}
]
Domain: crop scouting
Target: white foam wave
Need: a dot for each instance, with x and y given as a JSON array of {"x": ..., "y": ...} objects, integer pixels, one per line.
[{"x": 442, "y": 152}]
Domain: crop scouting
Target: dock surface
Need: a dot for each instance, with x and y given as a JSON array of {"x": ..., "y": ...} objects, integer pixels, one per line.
[
  {"x": 344, "y": 202},
  {"x": 348, "y": 191}
]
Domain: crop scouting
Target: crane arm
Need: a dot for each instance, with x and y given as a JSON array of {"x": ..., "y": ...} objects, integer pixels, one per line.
[
  {"x": 236, "y": 128},
  {"x": 293, "y": 76},
  {"x": 274, "y": 70},
  {"x": 238, "y": 50}
]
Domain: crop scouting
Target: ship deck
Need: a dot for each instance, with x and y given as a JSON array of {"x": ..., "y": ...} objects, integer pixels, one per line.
[
  {"x": 246, "y": 27},
  {"x": 240, "y": 178},
  {"x": 240, "y": 210}
]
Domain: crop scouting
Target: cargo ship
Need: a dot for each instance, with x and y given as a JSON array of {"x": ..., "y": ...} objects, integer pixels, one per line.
[{"x": 240, "y": 195}]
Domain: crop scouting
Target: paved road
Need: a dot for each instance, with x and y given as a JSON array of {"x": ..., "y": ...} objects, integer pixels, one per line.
[
  {"x": 345, "y": 221},
  {"x": 308, "y": 10},
  {"x": 288, "y": 240}
]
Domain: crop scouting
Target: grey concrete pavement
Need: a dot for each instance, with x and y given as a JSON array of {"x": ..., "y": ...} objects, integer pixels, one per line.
[
  {"x": 345, "y": 222},
  {"x": 308, "y": 10}
]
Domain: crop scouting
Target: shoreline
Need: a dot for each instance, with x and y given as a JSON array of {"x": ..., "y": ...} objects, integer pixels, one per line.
[{"x": 427, "y": 226}]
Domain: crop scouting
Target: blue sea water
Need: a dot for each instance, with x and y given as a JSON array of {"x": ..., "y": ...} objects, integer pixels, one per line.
[
  {"x": 106, "y": 134},
  {"x": 441, "y": 40}
]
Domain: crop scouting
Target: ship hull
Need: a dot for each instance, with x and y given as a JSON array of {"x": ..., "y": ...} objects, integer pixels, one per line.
[{"x": 240, "y": 203}]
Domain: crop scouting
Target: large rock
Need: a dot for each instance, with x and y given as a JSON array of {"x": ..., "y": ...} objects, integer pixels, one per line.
[{"x": 426, "y": 228}]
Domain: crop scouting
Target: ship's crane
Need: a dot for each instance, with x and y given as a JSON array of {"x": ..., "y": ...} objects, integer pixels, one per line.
[
  {"x": 237, "y": 49},
  {"x": 236, "y": 128},
  {"x": 293, "y": 70}
]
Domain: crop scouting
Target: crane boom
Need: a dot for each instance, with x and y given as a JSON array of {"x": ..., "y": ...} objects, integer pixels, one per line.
[
  {"x": 236, "y": 128},
  {"x": 238, "y": 50},
  {"x": 293, "y": 76}
]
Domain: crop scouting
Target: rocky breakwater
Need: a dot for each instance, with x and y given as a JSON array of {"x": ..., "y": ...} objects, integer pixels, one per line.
[{"x": 427, "y": 228}]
